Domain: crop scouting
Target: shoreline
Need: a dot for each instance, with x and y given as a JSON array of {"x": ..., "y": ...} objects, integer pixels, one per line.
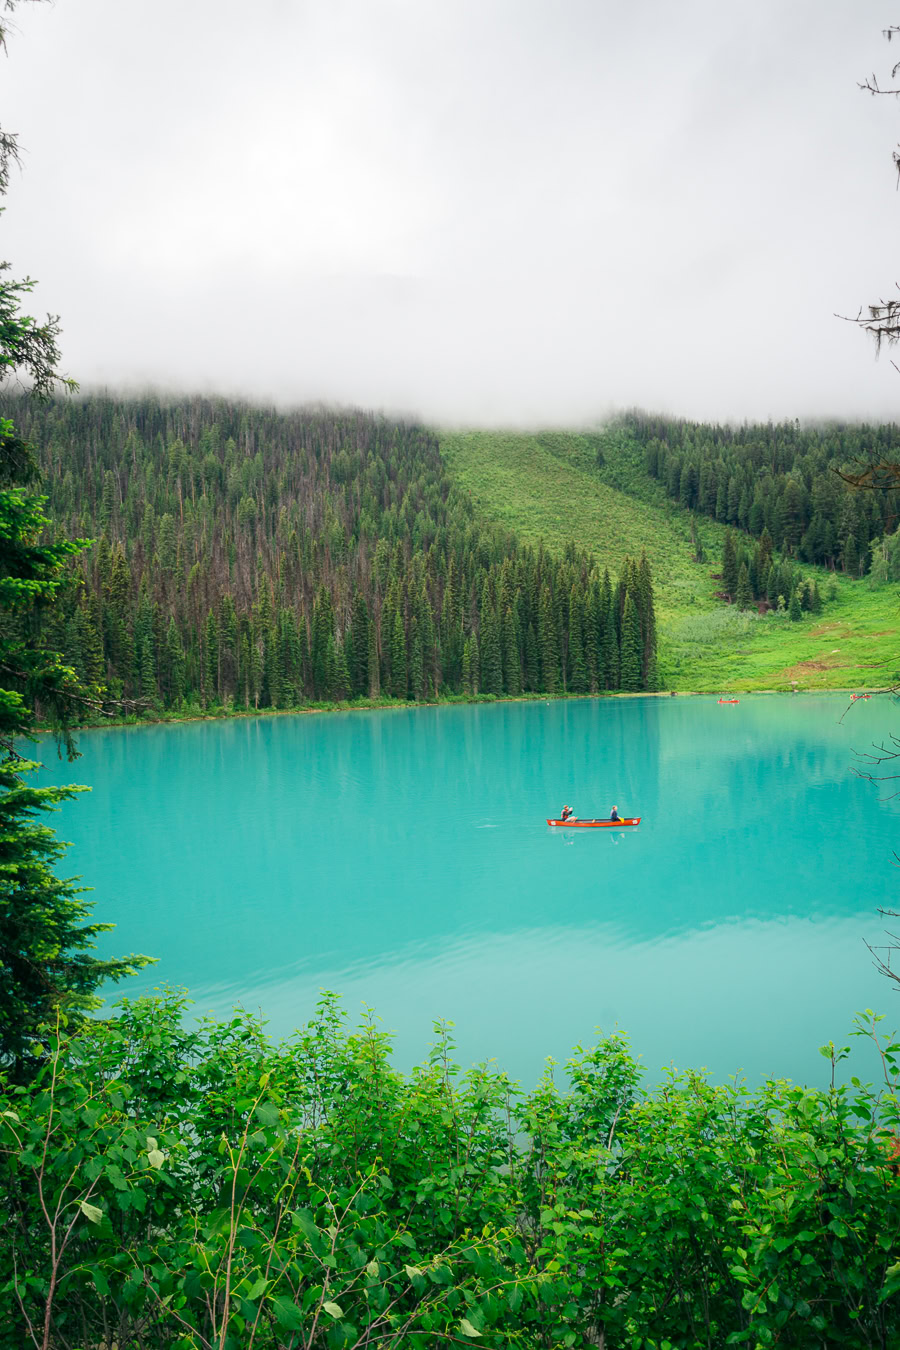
[{"x": 386, "y": 705}]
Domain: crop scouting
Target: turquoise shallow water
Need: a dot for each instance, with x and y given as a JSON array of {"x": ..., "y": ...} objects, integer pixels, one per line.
[{"x": 402, "y": 858}]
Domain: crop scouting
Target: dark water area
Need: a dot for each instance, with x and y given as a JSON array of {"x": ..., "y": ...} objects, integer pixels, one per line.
[{"x": 402, "y": 859}]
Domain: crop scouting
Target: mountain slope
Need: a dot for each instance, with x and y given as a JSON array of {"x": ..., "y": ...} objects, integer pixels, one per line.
[{"x": 548, "y": 486}]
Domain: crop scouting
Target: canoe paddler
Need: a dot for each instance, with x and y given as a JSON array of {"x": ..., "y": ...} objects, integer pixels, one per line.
[
  {"x": 614, "y": 814},
  {"x": 566, "y": 812}
]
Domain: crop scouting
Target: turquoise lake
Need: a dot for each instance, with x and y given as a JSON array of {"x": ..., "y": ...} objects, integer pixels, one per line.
[{"x": 402, "y": 859}]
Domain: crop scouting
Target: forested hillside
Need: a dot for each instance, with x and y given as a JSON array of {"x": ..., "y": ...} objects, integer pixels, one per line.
[
  {"x": 778, "y": 477},
  {"x": 264, "y": 559},
  {"x": 594, "y": 487}
]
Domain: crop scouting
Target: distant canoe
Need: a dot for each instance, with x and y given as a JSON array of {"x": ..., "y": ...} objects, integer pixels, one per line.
[
  {"x": 595, "y": 824},
  {"x": 729, "y": 700}
]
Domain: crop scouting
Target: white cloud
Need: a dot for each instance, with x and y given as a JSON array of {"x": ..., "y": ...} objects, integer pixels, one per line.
[{"x": 477, "y": 211}]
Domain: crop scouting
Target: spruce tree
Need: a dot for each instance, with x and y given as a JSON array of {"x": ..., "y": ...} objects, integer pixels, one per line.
[
  {"x": 46, "y": 960},
  {"x": 211, "y": 658},
  {"x": 467, "y": 667},
  {"x": 609, "y": 638},
  {"x": 851, "y": 557},
  {"x": 795, "y": 610},
  {"x": 475, "y": 663},
  {"x": 729, "y": 566},
  {"x": 532, "y": 660},
  {"x": 342, "y": 681},
  {"x": 399, "y": 675},
  {"x": 372, "y": 661},
  {"x": 416, "y": 660},
  {"x": 512, "y": 667},
  {"x": 648, "y": 623},
  {"x": 547, "y": 644},
  {"x": 359, "y": 645},
  {"x": 632, "y": 647},
  {"x": 489, "y": 645},
  {"x": 174, "y": 665},
  {"x": 743, "y": 595},
  {"x": 578, "y": 671}
]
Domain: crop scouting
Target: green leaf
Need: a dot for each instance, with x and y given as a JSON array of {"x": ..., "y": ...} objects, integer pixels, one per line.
[
  {"x": 156, "y": 1158},
  {"x": 91, "y": 1212},
  {"x": 332, "y": 1309},
  {"x": 413, "y": 1271},
  {"x": 257, "y": 1289},
  {"x": 372, "y": 1269},
  {"x": 467, "y": 1329},
  {"x": 287, "y": 1314},
  {"x": 267, "y": 1112}
]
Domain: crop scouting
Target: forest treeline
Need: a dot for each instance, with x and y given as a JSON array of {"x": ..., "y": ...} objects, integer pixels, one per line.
[
  {"x": 781, "y": 478},
  {"x": 262, "y": 559}
]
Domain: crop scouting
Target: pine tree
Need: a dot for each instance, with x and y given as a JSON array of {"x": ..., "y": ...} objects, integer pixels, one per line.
[
  {"x": 399, "y": 675},
  {"x": 45, "y": 945},
  {"x": 547, "y": 644},
  {"x": 372, "y": 661},
  {"x": 475, "y": 663},
  {"x": 416, "y": 661},
  {"x": 729, "y": 566},
  {"x": 632, "y": 647},
  {"x": 609, "y": 640},
  {"x": 795, "y": 611},
  {"x": 342, "y": 680},
  {"x": 489, "y": 646},
  {"x": 322, "y": 631},
  {"x": 90, "y": 641},
  {"x": 648, "y": 623},
  {"x": 211, "y": 658},
  {"x": 467, "y": 667},
  {"x": 578, "y": 672},
  {"x": 174, "y": 665},
  {"x": 743, "y": 594},
  {"x": 532, "y": 660},
  {"x": 851, "y": 557},
  {"x": 359, "y": 645},
  {"x": 430, "y": 658},
  {"x": 512, "y": 667}
]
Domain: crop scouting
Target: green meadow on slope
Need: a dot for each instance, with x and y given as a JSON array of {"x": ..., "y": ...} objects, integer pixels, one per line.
[{"x": 547, "y": 486}]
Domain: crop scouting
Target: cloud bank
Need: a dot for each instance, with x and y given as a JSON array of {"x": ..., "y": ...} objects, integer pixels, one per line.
[{"x": 480, "y": 211}]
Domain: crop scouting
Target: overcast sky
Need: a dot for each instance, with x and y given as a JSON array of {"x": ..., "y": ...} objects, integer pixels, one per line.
[{"x": 476, "y": 211}]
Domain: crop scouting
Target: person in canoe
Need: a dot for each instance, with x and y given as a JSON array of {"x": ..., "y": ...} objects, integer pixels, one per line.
[
  {"x": 566, "y": 813},
  {"x": 614, "y": 814}
]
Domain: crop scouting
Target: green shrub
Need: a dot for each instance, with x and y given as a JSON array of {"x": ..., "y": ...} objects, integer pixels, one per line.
[
  {"x": 182, "y": 1186},
  {"x": 714, "y": 626}
]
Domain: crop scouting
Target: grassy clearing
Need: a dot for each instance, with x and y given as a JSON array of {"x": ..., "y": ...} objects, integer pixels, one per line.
[
  {"x": 853, "y": 644},
  {"x": 547, "y": 487}
]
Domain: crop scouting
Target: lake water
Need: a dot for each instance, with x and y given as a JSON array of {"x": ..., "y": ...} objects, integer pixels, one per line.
[{"x": 402, "y": 858}]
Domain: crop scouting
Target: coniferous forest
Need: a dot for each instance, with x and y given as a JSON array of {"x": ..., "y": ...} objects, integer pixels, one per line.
[
  {"x": 249, "y": 558},
  {"x": 781, "y": 478}
]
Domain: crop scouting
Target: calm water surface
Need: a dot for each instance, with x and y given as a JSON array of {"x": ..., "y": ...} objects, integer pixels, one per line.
[{"x": 402, "y": 858}]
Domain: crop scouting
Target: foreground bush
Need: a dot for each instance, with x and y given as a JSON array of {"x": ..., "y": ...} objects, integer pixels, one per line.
[{"x": 176, "y": 1185}]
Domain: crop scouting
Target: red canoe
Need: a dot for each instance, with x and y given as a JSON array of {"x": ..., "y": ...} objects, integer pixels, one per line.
[
  {"x": 595, "y": 824},
  {"x": 729, "y": 700}
]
